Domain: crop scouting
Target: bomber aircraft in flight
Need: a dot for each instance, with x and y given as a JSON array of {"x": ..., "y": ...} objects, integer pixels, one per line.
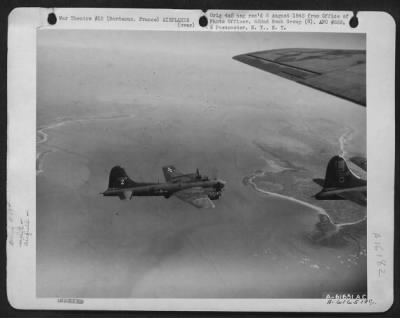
[{"x": 193, "y": 188}]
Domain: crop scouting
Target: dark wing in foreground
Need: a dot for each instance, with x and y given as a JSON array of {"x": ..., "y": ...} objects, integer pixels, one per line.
[
  {"x": 337, "y": 72},
  {"x": 196, "y": 197},
  {"x": 360, "y": 161}
]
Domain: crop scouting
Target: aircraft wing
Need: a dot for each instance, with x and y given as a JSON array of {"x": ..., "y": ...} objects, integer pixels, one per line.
[
  {"x": 170, "y": 173},
  {"x": 337, "y": 72},
  {"x": 195, "y": 196}
]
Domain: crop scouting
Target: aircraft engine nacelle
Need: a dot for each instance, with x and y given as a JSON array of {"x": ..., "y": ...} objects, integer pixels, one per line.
[
  {"x": 214, "y": 195},
  {"x": 125, "y": 195}
]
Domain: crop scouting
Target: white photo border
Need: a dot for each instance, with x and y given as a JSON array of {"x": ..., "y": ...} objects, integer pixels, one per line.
[{"x": 379, "y": 28}]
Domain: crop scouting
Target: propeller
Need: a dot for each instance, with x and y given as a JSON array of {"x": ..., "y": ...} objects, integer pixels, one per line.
[{"x": 220, "y": 184}]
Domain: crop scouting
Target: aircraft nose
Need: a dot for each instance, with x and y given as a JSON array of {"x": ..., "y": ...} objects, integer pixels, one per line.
[{"x": 221, "y": 184}]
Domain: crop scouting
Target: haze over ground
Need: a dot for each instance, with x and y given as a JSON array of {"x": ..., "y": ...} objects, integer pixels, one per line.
[{"x": 146, "y": 99}]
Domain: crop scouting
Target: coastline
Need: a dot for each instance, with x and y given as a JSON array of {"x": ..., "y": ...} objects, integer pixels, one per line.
[
  {"x": 274, "y": 167},
  {"x": 43, "y": 136}
]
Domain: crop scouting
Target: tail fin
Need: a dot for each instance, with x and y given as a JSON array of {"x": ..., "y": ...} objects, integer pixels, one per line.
[
  {"x": 338, "y": 175},
  {"x": 119, "y": 179}
]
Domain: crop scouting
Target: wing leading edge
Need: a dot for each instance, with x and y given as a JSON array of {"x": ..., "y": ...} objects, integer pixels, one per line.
[{"x": 337, "y": 72}]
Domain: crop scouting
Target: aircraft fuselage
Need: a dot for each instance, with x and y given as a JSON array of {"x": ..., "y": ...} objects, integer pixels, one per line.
[{"x": 212, "y": 188}]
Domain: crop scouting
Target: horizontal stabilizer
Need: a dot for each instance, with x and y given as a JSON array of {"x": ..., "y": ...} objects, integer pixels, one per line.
[{"x": 125, "y": 195}]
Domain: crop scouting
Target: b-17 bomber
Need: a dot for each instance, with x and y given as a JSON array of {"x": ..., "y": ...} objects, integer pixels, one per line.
[{"x": 192, "y": 188}]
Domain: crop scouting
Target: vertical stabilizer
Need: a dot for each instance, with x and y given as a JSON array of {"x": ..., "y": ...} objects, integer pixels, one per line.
[
  {"x": 338, "y": 175},
  {"x": 119, "y": 179}
]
